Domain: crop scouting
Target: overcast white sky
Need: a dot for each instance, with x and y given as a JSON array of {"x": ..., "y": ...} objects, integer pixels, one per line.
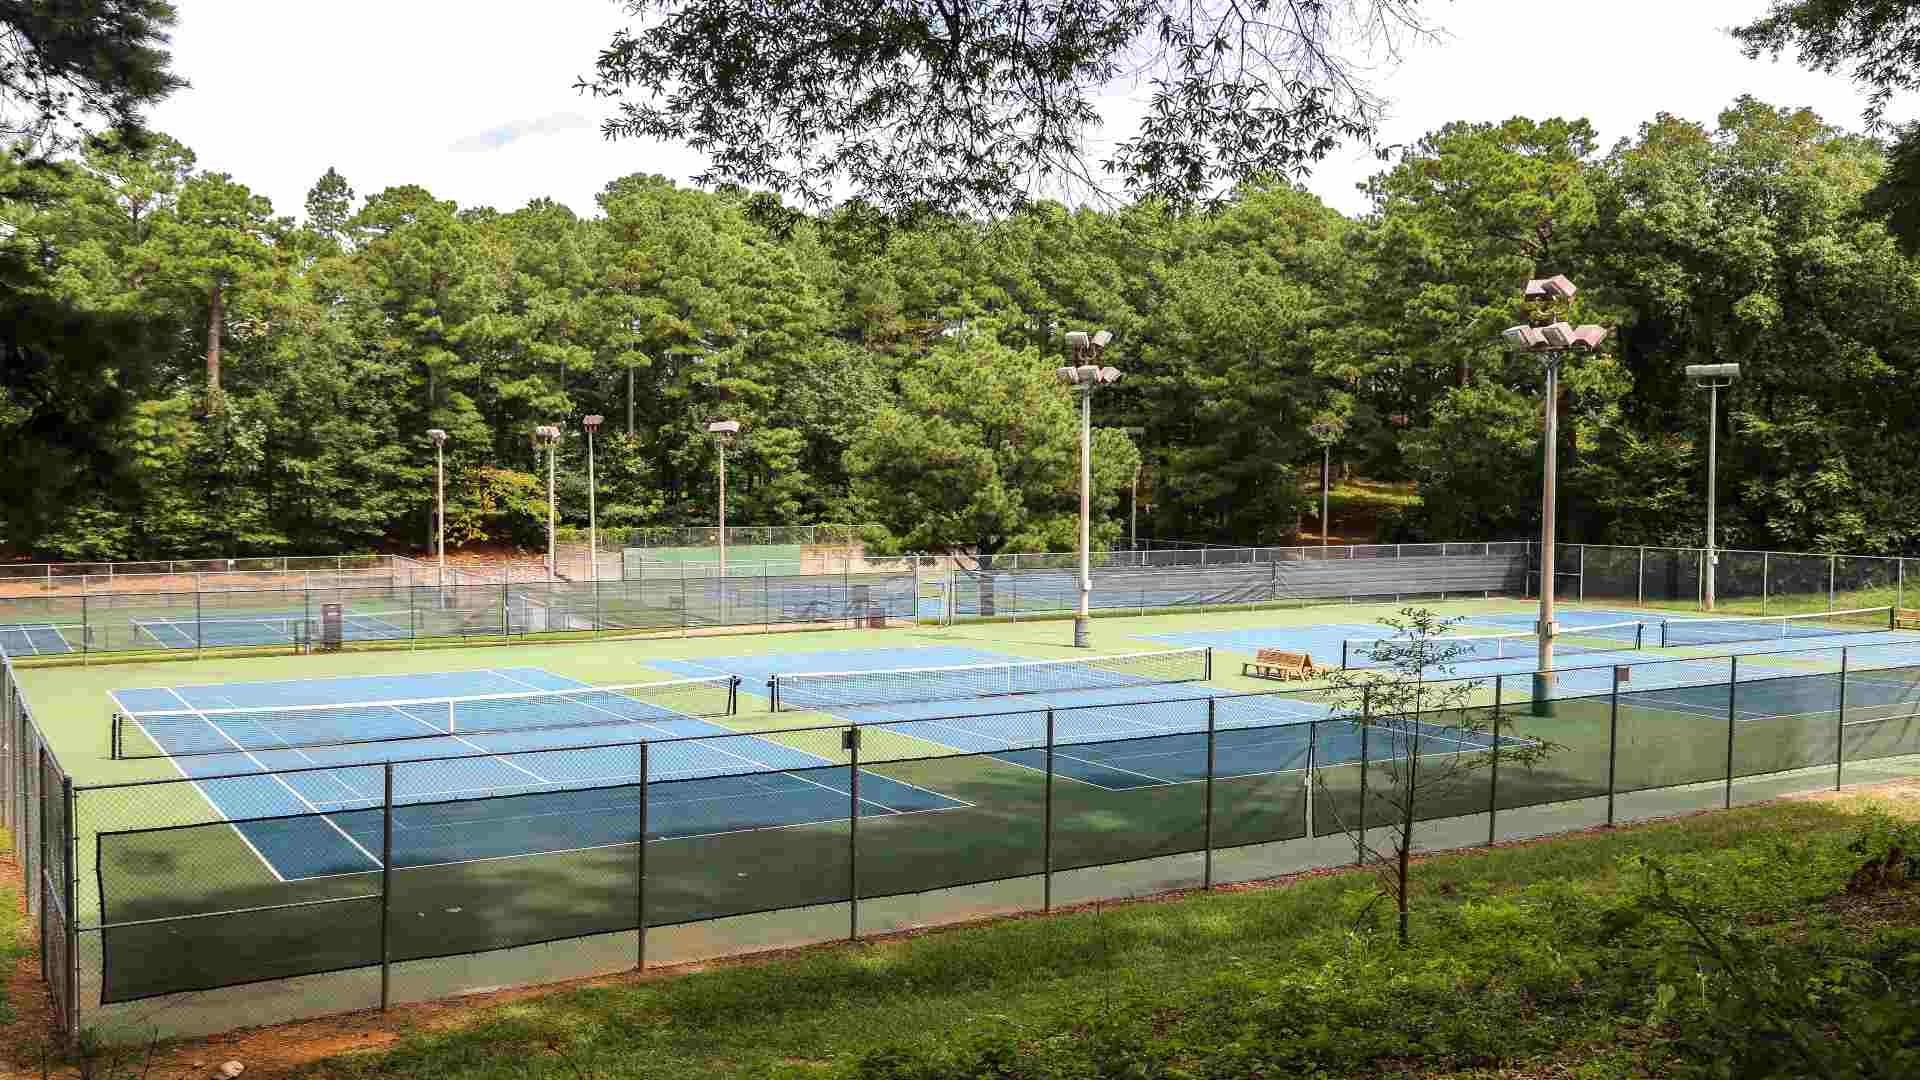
[{"x": 473, "y": 99}]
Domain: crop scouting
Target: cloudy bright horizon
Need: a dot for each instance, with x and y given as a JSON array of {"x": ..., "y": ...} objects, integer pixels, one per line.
[{"x": 475, "y": 102}]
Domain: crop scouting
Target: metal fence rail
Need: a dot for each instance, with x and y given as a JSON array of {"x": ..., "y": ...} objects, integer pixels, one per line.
[
  {"x": 164, "y": 912},
  {"x": 70, "y": 626},
  {"x": 1758, "y": 582}
]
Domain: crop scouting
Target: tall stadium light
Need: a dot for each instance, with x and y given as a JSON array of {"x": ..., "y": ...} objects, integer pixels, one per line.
[
  {"x": 1712, "y": 378},
  {"x": 592, "y": 424},
  {"x": 547, "y": 437},
  {"x": 1550, "y": 340},
  {"x": 439, "y": 438},
  {"x": 723, "y": 432},
  {"x": 1085, "y": 377},
  {"x": 1325, "y": 430}
]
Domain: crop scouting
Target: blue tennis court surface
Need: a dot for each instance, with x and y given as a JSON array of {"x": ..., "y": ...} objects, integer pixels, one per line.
[
  {"x": 1114, "y": 717},
  {"x": 1772, "y": 698},
  {"x": 41, "y": 639},
  {"x": 529, "y": 794}
]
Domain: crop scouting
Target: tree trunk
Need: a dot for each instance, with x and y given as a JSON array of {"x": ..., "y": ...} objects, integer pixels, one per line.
[
  {"x": 216, "y": 319},
  {"x": 1404, "y": 870}
]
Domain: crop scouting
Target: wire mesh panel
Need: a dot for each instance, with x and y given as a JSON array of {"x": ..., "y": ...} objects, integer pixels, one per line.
[
  {"x": 1740, "y": 580},
  {"x": 1798, "y": 582},
  {"x": 1882, "y": 717},
  {"x": 1674, "y": 735},
  {"x": 1670, "y": 575},
  {"x": 1865, "y": 581},
  {"x": 1466, "y": 648},
  {"x": 1572, "y": 734},
  {"x": 948, "y": 821},
  {"x": 1124, "y": 801},
  {"x": 1612, "y": 573},
  {"x": 1260, "y": 783},
  {"x": 56, "y": 890},
  {"x": 1787, "y": 722}
]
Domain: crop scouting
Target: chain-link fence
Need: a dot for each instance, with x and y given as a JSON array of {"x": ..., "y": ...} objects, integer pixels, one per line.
[
  {"x": 1743, "y": 582},
  {"x": 306, "y": 618},
  {"x": 1017, "y": 585},
  {"x": 241, "y": 895},
  {"x": 36, "y": 803}
]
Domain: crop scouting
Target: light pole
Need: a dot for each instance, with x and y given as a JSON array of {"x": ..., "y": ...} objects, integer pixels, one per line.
[
  {"x": 547, "y": 437},
  {"x": 1548, "y": 298},
  {"x": 1712, "y": 378},
  {"x": 1325, "y": 430},
  {"x": 592, "y": 424},
  {"x": 723, "y": 432},
  {"x": 439, "y": 438},
  {"x": 1084, "y": 377}
]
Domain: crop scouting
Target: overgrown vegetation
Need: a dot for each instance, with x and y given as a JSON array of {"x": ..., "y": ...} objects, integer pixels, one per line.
[{"x": 1578, "y": 956}]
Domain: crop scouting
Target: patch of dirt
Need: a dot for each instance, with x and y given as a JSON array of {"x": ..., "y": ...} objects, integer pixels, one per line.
[
  {"x": 284, "y": 1048},
  {"x": 26, "y": 1037}
]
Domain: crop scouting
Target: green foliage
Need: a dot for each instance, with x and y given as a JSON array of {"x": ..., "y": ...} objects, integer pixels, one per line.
[
  {"x": 982, "y": 452},
  {"x": 934, "y": 111},
  {"x": 861, "y": 355}
]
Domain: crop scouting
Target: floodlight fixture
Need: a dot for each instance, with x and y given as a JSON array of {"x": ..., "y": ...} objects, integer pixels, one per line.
[
  {"x": 1587, "y": 336},
  {"x": 438, "y": 436},
  {"x": 1523, "y": 337},
  {"x": 1558, "y": 335},
  {"x": 1085, "y": 378},
  {"x": 1556, "y": 287},
  {"x": 592, "y": 422},
  {"x": 724, "y": 428},
  {"x": 1712, "y": 376}
]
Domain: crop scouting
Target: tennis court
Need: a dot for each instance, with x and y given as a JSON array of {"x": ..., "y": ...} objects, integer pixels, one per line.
[
  {"x": 1146, "y": 728},
  {"x": 496, "y": 795}
]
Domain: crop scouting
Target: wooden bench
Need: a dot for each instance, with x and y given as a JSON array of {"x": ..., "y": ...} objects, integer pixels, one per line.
[
  {"x": 1906, "y": 619},
  {"x": 1278, "y": 664}
]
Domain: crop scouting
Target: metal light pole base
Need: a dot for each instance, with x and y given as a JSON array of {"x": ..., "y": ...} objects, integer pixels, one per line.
[
  {"x": 1081, "y": 626},
  {"x": 1543, "y": 693}
]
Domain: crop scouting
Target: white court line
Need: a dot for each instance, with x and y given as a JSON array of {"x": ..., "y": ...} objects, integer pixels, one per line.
[
  {"x": 198, "y": 790},
  {"x": 758, "y": 765},
  {"x": 277, "y": 777}
]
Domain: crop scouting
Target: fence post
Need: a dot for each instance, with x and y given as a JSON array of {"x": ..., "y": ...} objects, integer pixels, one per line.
[
  {"x": 1900, "y": 589},
  {"x": 1840, "y": 727},
  {"x": 1207, "y": 838},
  {"x": 1613, "y": 743},
  {"x": 1733, "y": 713},
  {"x": 1832, "y": 564},
  {"x": 1582, "y": 565},
  {"x": 1493, "y": 776},
  {"x": 1046, "y": 817},
  {"x": 853, "y": 832},
  {"x": 1360, "y": 836},
  {"x": 1766, "y": 572},
  {"x": 386, "y": 887},
  {"x": 1640, "y": 578},
  {"x": 70, "y": 892},
  {"x": 199, "y": 628},
  {"x": 641, "y": 858},
  {"x": 86, "y": 628}
]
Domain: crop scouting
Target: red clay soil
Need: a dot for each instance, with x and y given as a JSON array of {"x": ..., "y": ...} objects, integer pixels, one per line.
[{"x": 284, "y": 1048}]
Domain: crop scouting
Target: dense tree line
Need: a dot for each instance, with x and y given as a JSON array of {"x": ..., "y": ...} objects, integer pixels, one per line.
[{"x": 203, "y": 374}]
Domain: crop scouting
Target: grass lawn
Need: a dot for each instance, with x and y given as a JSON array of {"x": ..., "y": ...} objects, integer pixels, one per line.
[
  {"x": 15, "y": 934},
  {"x": 1511, "y": 969}
]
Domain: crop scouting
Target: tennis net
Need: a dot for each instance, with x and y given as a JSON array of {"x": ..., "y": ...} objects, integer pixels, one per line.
[
  {"x": 1473, "y": 648},
  {"x": 188, "y": 732},
  {"x": 821, "y": 689},
  {"x": 1769, "y": 627},
  {"x": 277, "y": 629}
]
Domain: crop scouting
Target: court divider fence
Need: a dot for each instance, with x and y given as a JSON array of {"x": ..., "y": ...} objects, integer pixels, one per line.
[
  {"x": 589, "y": 858},
  {"x": 80, "y": 625}
]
